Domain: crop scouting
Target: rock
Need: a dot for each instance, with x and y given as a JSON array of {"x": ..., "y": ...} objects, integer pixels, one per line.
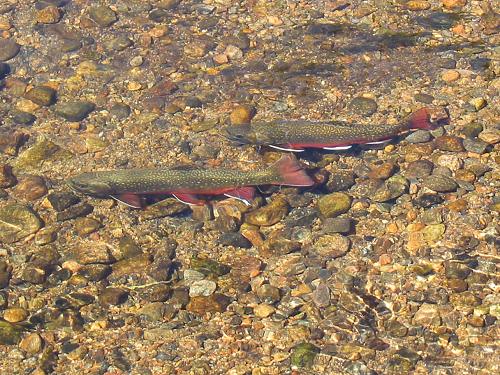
[
  {"x": 31, "y": 344},
  {"x": 441, "y": 184},
  {"x": 418, "y": 136},
  {"x": 37, "y": 154},
  {"x": 156, "y": 293},
  {"x": 321, "y": 296},
  {"x": 209, "y": 267},
  {"x": 129, "y": 248},
  {"x": 303, "y": 355},
  {"x": 433, "y": 233},
  {"x": 74, "y": 211},
  {"x": 233, "y": 52},
  {"x": 478, "y": 103},
  {"x": 234, "y": 239},
  {"x": 11, "y": 141},
  {"x": 428, "y": 200},
  {"x": 4, "y": 70},
  {"x": 120, "y": 43},
  {"x": 10, "y": 334},
  {"x": 427, "y": 315},
  {"x": 92, "y": 253},
  {"x": 331, "y": 246},
  {"x": 74, "y": 111},
  {"x": 167, "y": 207},
  {"x": 30, "y": 188},
  {"x": 113, "y": 296},
  {"x": 242, "y": 114},
  {"x": 450, "y": 76},
  {"x": 17, "y": 222},
  {"x": 214, "y": 303},
  {"x": 15, "y": 314},
  {"x": 476, "y": 146},
  {"x": 382, "y": 171},
  {"x": 8, "y": 49},
  {"x": 49, "y": 15},
  {"x": 120, "y": 111},
  {"x": 449, "y": 143},
  {"x": 363, "y": 106},
  {"x": 492, "y": 136},
  {"x": 95, "y": 272},
  {"x": 131, "y": 266},
  {"x": 34, "y": 275},
  {"x": 23, "y": 118},
  {"x": 452, "y": 4},
  {"x": 334, "y": 204},
  {"x": 41, "y": 95},
  {"x": 268, "y": 215},
  {"x": 393, "y": 188},
  {"x": 464, "y": 300},
  {"x": 62, "y": 201},
  {"x": 202, "y": 288},
  {"x": 263, "y": 310},
  {"x": 153, "y": 311},
  {"x": 419, "y": 169},
  {"x": 103, "y": 15},
  {"x": 301, "y": 217},
  {"x": 472, "y": 130},
  {"x": 5, "y": 274},
  {"x": 424, "y": 98},
  {"x": 340, "y": 181},
  {"x": 7, "y": 178},
  {"x": 337, "y": 225}
]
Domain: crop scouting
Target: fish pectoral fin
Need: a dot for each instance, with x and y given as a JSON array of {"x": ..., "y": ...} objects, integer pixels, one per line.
[
  {"x": 244, "y": 194},
  {"x": 378, "y": 142},
  {"x": 337, "y": 148},
  {"x": 287, "y": 148},
  {"x": 129, "y": 199},
  {"x": 189, "y": 199}
]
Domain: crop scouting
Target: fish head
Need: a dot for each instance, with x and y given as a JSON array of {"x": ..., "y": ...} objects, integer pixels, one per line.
[
  {"x": 91, "y": 184},
  {"x": 247, "y": 134}
]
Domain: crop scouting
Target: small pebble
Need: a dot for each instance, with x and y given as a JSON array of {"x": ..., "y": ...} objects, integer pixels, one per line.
[{"x": 450, "y": 76}]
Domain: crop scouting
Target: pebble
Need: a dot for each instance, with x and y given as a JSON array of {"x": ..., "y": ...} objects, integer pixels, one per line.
[
  {"x": 49, "y": 15},
  {"x": 37, "y": 154},
  {"x": 242, "y": 114},
  {"x": 451, "y": 161},
  {"x": 8, "y": 49},
  {"x": 17, "y": 222},
  {"x": 417, "y": 5},
  {"x": 167, "y": 207},
  {"x": 450, "y": 76},
  {"x": 492, "y": 136},
  {"x": 452, "y": 4},
  {"x": 30, "y": 188},
  {"x": 382, "y": 171},
  {"x": 340, "y": 181},
  {"x": 31, "y": 344},
  {"x": 441, "y": 184},
  {"x": 92, "y": 253},
  {"x": 263, "y": 310},
  {"x": 424, "y": 98},
  {"x": 74, "y": 111},
  {"x": 331, "y": 246},
  {"x": 337, "y": 225},
  {"x": 334, "y": 204},
  {"x": 5, "y": 275},
  {"x": 476, "y": 146},
  {"x": 418, "y": 136},
  {"x": 449, "y": 143},
  {"x": 233, "y": 52},
  {"x": 303, "y": 355},
  {"x": 134, "y": 265},
  {"x": 7, "y": 178},
  {"x": 270, "y": 214},
  {"x": 4, "y": 69},
  {"x": 15, "y": 314},
  {"x": 41, "y": 95},
  {"x": 419, "y": 169},
  {"x": 363, "y": 106},
  {"x": 62, "y": 201},
  {"x": 202, "y": 288},
  {"x": 113, "y": 296},
  {"x": 23, "y": 118},
  {"x": 472, "y": 130},
  {"x": 209, "y": 267},
  {"x": 234, "y": 239},
  {"x": 478, "y": 103},
  {"x": 10, "y": 334},
  {"x": 74, "y": 211},
  {"x": 214, "y": 303},
  {"x": 103, "y": 15},
  {"x": 393, "y": 188},
  {"x": 321, "y": 296}
]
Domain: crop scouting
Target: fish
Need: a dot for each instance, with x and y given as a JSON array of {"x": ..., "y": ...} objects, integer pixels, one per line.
[
  {"x": 297, "y": 136},
  {"x": 188, "y": 185}
]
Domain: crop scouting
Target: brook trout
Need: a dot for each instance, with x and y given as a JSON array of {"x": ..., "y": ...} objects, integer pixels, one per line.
[
  {"x": 296, "y": 136},
  {"x": 130, "y": 186}
]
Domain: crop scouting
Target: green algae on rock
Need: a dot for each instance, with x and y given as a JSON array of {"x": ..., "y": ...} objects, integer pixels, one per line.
[
  {"x": 17, "y": 222},
  {"x": 303, "y": 354}
]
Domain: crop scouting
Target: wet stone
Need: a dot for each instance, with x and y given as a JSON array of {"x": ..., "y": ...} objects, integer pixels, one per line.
[
  {"x": 10, "y": 142},
  {"x": 340, "y": 181},
  {"x": 156, "y": 293},
  {"x": 440, "y": 184},
  {"x": 337, "y": 225},
  {"x": 476, "y": 146},
  {"x": 74, "y": 111},
  {"x": 23, "y": 118},
  {"x": 202, "y": 288},
  {"x": 62, "y": 201},
  {"x": 41, "y": 95},
  {"x": 334, "y": 204},
  {"x": 301, "y": 217},
  {"x": 92, "y": 253},
  {"x": 7, "y": 178},
  {"x": 331, "y": 246},
  {"x": 419, "y": 136},
  {"x": 424, "y": 98},
  {"x": 209, "y": 267},
  {"x": 103, "y": 15},
  {"x": 37, "y": 154},
  {"x": 363, "y": 106},
  {"x": 268, "y": 215},
  {"x": 263, "y": 310},
  {"x": 74, "y": 211},
  {"x": 419, "y": 169},
  {"x": 5, "y": 274},
  {"x": 449, "y": 143},
  {"x": 113, "y": 296},
  {"x": 34, "y": 275},
  {"x": 393, "y": 188},
  {"x": 95, "y": 272},
  {"x": 396, "y": 329},
  {"x": 10, "y": 334},
  {"x": 17, "y": 222},
  {"x": 234, "y": 239},
  {"x": 472, "y": 130},
  {"x": 15, "y": 314},
  {"x": 31, "y": 344},
  {"x": 4, "y": 70},
  {"x": 120, "y": 111},
  {"x": 214, "y": 303},
  {"x": 49, "y": 15},
  {"x": 130, "y": 266},
  {"x": 119, "y": 43},
  {"x": 321, "y": 296},
  {"x": 8, "y": 49},
  {"x": 358, "y": 368},
  {"x": 166, "y": 207},
  {"x": 242, "y": 114},
  {"x": 30, "y": 188},
  {"x": 303, "y": 355}
]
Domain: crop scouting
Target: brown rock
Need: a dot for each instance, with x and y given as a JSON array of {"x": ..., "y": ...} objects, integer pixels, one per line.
[
  {"x": 383, "y": 171},
  {"x": 214, "y": 303},
  {"x": 31, "y": 344},
  {"x": 418, "y": 5},
  {"x": 242, "y": 114},
  {"x": 15, "y": 314},
  {"x": 113, "y": 296},
  {"x": 451, "y": 4},
  {"x": 270, "y": 214},
  {"x": 7, "y": 179},
  {"x": 11, "y": 141},
  {"x": 30, "y": 188},
  {"x": 449, "y": 143},
  {"x": 48, "y": 15},
  {"x": 450, "y": 76}
]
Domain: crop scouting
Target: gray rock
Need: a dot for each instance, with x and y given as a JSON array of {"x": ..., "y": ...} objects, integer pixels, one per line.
[
  {"x": 363, "y": 106},
  {"x": 62, "y": 201},
  {"x": 202, "y": 288},
  {"x": 103, "y": 15},
  {"x": 337, "y": 225},
  {"x": 419, "y": 169},
  {"x": 8, "y": 49},
  {"x": 475, "y": 145},
  {"x": 441, "y": 184},
  {"x": 321, "y": 296},
  {"x": 42, "y": 95},
  {"x": 419, "y": 136},
  {"x": 74, "y": 111}
]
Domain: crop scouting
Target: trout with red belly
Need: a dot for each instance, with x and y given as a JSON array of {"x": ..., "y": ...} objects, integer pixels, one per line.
[
  {"x": 130, "y": 186},
  {"x": 297, "y": 136}
]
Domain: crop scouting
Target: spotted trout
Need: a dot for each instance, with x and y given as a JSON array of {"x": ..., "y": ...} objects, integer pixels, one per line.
[
  {"x": 296, "y": 136},
  {"x": 131, "y": 186}
]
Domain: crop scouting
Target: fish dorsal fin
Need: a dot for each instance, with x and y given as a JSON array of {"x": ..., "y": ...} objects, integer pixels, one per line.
[
  {"x": 337, "y": 148},
  {"x": 184, "y": 167},
  {"x": 287, "y": 148},
  {"x": 244, "y": 194},
  {"x": 189, "y": 199},
  {"x": 129, "y": 199}
]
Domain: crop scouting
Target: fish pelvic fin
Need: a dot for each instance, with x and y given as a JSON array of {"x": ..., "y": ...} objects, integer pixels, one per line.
[
  {"x": 290, "y": 172},
  {"x": 421, "y": 119},
  {"x": 129, "y": 199}
]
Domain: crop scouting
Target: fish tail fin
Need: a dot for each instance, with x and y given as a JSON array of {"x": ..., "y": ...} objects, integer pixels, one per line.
[
  {"x": 421, "y": 119},
  {"x": 290, "y": 172}
]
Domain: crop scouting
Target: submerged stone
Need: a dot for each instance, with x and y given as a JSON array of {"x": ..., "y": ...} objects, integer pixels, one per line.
[{"x": 17, "y": 222}]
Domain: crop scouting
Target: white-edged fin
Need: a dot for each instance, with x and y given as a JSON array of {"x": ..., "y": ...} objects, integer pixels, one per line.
[
  {"x": 128, "y": 204},
  {"x": 239, "y": 198},
  {"x": 338, "y": 148},
  {"x": 287, "y": 149},
  {"x": 378, "y": 142},
  {"x": 182, "y": 198}
]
